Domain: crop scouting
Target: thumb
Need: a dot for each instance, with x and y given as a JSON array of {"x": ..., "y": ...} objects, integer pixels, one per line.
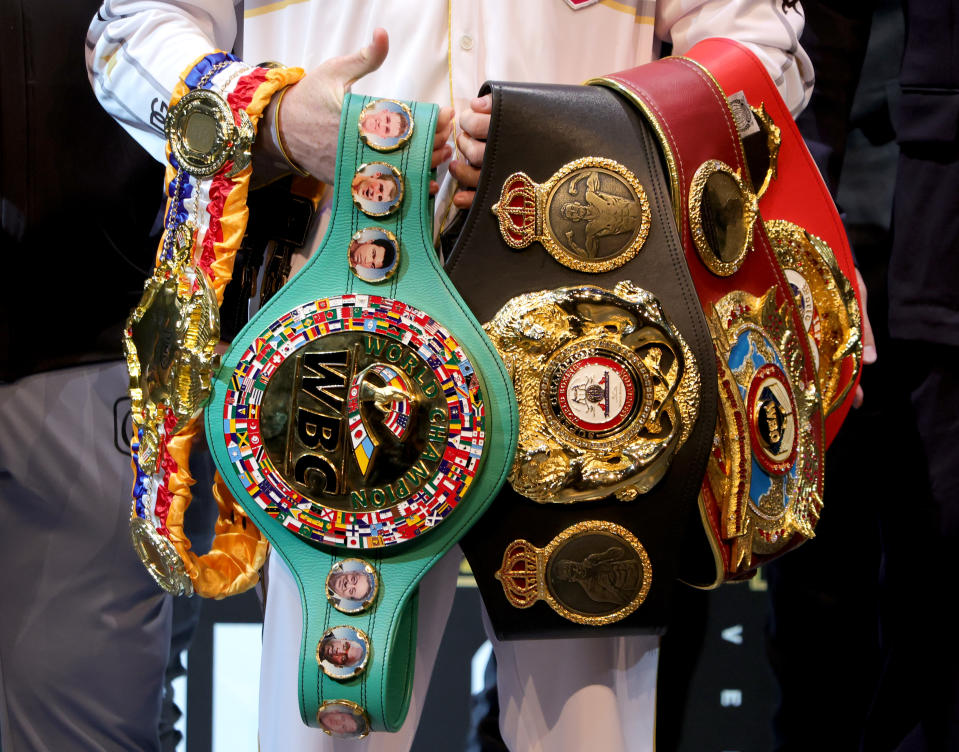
[{"x": 353, "y": 67}]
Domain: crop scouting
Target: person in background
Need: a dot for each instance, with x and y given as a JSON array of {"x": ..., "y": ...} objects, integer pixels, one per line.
[{"x": 85, "y": 633}]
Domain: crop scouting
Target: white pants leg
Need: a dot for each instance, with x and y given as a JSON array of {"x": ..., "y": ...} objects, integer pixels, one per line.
[
  {"x": 281, "y": 729},
  {"x": 573, "y": 695}
]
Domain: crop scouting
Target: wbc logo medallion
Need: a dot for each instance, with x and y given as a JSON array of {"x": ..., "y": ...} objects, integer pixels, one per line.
[{"x": 356, "y": 421}]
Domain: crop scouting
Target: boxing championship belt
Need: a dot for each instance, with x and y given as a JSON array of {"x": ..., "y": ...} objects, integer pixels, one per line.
[
  {"x": 363, "y": 421},
  {"x": 572, "y": 257},
  {"x": 762, "y": 493},
  {"x": 801, "y": 220}
]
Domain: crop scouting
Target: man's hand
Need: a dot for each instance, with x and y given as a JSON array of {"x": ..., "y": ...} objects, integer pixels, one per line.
[
  {"x": 310, "y": 110},
  {"x": 309, "y": 120},
  {"x": 869, "y": 353},
  {"x": 441, "y": 150},
  {"x": 471, "y": 143}
]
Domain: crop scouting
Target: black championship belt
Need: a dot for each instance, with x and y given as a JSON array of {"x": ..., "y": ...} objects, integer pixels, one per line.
[{"x": 572, "y": 256}]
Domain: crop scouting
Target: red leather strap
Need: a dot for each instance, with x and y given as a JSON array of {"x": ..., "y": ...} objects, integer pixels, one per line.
[
  {"x": 695, "y": 124},
  {"x": 798, "y": 194}
]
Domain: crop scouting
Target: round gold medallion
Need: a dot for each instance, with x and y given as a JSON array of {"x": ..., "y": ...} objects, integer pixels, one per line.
[
  {"x": 374, "y": 254},
  {"x": 355, "y": 421},
  {"x": 594, "y": 572},
  {"x": 377, "y": 189},
  {"x": 385, "y": 125},
  {"x": 159, "y": 557},
  {"x": 596, "y": 393},
  {"x": 343, "y": 719},
  {"x": 343, "y": 652},
  {"x": 203, "y": 135},
  {"x": 592, "y": 215}
]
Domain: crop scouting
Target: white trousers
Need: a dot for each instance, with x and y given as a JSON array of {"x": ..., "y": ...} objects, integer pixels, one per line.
[{"x": 564, "y": 695}]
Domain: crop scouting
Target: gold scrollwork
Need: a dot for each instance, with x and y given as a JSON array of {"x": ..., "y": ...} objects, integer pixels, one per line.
[
  {"x": 827, "y": 305},
  {"x": 169, "y": 343},
  {"x": 594, "y": 572},
  {"x": 607, "y": 388},
  {"x": 203, "y": 135},
  {"x": 592, "y": 215},
  {"x": 722, "y": 214}
]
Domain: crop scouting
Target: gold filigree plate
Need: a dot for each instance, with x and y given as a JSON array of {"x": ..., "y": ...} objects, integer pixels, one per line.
[
  {"x": 722, "y": 214},
  {"x": 592, "y": 215},
  {"x": 593, "y": 573},
  {"x": 607, "y": 388},
  {"x": 765, "y": 470},
  {"x": 827, "y": 305},
  {"x": 159, "y": 557},
  {"x": 203, "y": 135},
  {"x": 169, "y": 343}
]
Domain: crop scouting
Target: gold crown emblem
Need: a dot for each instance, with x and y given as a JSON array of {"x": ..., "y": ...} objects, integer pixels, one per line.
[
  {"x": 516, "y": 210},
  {"x": 519, "y": 574}
]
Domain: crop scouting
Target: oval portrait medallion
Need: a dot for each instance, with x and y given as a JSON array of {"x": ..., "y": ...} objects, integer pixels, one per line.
[
  {"x": 722, "y": 215},
  {"x": 592, "y": 215},
  {"x": 594, "y": 572},
  {"x": 597, "y": 571},
  {"x": 356, "y": 421}
]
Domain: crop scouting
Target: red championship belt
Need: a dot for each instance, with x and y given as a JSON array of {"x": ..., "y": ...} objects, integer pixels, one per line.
[
  {"x": 794, "y": 192},
  {"x": 763, "y": 489}
]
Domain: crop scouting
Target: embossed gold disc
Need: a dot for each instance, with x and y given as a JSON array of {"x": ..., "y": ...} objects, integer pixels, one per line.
[
  {"x": 355, "y": 420},
  {"x": 305, "y": 438},
  {"x": 592, "y": 215},
  {"x": 203, "y": 135},
  {"x": 594, "y": 573}
]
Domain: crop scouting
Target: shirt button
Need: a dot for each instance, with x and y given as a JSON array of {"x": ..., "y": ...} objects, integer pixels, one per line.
[{"x": 466, "y": 42}]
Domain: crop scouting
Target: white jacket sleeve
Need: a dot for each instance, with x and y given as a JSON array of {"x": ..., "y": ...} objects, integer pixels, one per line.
[
  {"x": 136, "y": 51},
  {"x": 771, "y": 33}
]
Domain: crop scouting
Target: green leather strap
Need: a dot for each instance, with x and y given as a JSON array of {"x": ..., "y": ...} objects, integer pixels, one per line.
[{"x": 383, "y": 688}]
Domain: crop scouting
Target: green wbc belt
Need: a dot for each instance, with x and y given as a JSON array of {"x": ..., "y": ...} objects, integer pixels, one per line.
[{"x": 364, "y": 421}]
